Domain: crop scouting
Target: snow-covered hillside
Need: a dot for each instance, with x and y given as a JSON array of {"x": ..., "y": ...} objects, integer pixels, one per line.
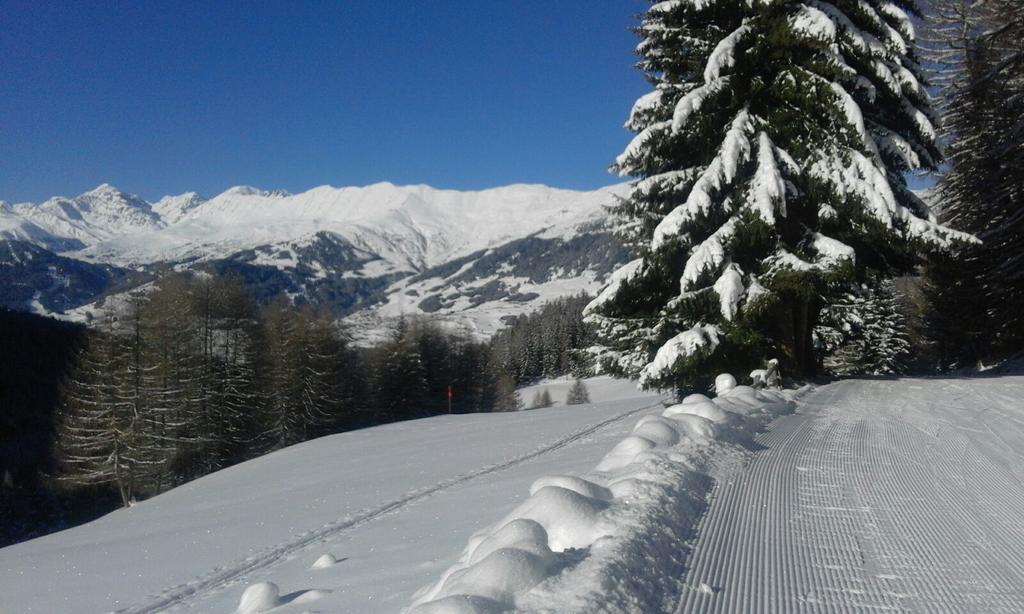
[
  {"x": 412, "y": 249},
  {"x": 393, "y": 504}
]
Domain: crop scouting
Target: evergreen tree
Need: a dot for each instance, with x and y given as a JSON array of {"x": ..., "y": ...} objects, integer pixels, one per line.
[
  {"x": 547, "y": 343},
  {"x": 865, "y": 333},
  {"x": 976, "y": 294},
  {"x": 400, "y": 384},
  {"x": 578, "y": 394},
  {"x": 771, "y": 158},
  {"x": 506, "y": 397},
  {"x": 541, "y": 399}
]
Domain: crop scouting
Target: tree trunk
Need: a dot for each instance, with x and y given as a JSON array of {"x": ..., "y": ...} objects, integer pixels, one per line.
[{"x": 804, "y": 317}]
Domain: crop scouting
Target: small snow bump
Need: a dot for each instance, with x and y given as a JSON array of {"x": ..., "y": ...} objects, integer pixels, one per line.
[{"x": 325, "y": 561}]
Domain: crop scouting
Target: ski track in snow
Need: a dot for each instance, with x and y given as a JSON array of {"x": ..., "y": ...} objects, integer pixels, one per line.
[
  {"x": 220, "y": 578},
  {"x": 878, "y": 495}
]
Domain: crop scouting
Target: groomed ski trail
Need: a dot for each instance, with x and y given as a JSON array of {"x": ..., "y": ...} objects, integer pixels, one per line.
[
  {"x": 878, "y": 495},
  {"x": 220, "y": 578}
]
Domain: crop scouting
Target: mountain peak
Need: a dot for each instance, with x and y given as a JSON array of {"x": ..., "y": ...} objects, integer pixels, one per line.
[{"x": 102, "y": 189}]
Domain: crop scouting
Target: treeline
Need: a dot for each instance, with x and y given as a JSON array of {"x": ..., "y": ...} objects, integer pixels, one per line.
[
  {"x": 547, "y": 343},
  {"x": 192, "y": 376}
]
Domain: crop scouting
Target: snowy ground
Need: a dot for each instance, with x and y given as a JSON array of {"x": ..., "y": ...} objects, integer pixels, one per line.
[
  {"x": 902, "y": 496},
  {"x": 894, "y": 495},
  {"x": 393, "y": 504}
]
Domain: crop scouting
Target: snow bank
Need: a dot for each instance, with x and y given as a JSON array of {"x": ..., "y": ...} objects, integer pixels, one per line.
[{"x": 577, "y": 537}]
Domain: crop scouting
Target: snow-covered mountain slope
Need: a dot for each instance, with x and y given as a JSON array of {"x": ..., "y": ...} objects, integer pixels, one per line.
[
  {"x": 477, "y": 255},
  {"x": 412, "y": 226},
  {"x": 392, "y": 504},
  {"x": 97, "y": 215}
]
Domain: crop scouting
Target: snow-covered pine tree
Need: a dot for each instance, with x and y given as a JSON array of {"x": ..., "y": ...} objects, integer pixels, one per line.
[
  {"x": 886, "y": 332},
  {"x": 865, "y": 333},
  {"x": 840, "y": 324},
  {"x": 771, "y": 158}
]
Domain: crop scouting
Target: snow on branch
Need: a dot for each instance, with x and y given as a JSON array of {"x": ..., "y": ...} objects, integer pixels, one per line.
[
  {"x": 858, "y": 39},
  {"x": 768, "y": 189},
  {"x": 906, "y": 25},
  {"x": 830, "y": 252},
  {"x": 860, "y": 176},
  {"x": 815, "y": 23},
  {"x": 722, "y": 57},
  {"x": 670, "y": 5},
  {"x": 625, "y": 273},
  {"x": 853, "y": 115},
  {"x": 730, "y": 290},
  {"x": 735, "y": 150},
  {"x": 637, "y": 145},
  {"x": 643, "y": 105},
  {"x": 694, "y": 100},
  {"x": 702, "y": 337},
  {"x": 708, "y": 256}
]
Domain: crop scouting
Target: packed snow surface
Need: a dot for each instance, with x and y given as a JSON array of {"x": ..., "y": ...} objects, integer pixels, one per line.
[{"x": 885, "y": 495}]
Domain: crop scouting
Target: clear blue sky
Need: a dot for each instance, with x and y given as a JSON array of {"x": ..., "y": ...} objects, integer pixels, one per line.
[{"x": 165, "y": 97}]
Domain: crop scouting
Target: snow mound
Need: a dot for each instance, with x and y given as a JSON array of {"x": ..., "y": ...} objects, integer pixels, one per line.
[
  {"x": 624, "y": 453},
  {"x": 658, "y": 430},
  {"x": 325, "y": 561},
  {"x": 579, "y": 485},
  {"x": 569, "y": 518},
  {"x": 259, "y": 597},
  {"x": 704, "y": 409},
  {"x": 696, "y": 428},
  {"x": 724, "y": 383},
  {"x": 695, "y": 398},
  {"x": 576, "y": 537}
]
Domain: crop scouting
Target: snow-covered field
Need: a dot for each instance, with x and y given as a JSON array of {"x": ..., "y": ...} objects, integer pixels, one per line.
[
  {"x": 393, "y": 504},
  {"x": 895, "y": 495}
]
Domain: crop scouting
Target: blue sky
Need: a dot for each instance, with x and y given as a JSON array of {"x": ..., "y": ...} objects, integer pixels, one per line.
[{"x": 164, "y": 97}]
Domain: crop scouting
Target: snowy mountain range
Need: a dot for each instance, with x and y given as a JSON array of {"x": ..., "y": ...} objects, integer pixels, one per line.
[{"x": 369, "y": 253}]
